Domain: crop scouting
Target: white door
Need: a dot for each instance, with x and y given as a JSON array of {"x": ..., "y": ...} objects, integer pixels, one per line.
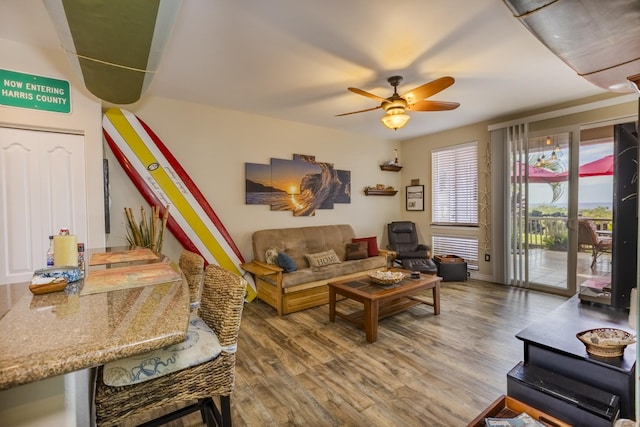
[{"x": 42, "y": 189}]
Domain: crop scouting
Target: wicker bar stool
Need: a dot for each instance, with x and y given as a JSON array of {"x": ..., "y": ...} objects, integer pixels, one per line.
[
  {"x": 192, "y": 266},
  {"x": 221, "y": 309}
]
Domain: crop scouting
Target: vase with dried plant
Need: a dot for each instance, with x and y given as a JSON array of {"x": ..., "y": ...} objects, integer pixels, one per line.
[{"x": 147, "y": 233}]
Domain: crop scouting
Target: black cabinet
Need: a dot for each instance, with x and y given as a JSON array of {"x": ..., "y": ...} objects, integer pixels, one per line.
[{"x": 551, "y": 344}]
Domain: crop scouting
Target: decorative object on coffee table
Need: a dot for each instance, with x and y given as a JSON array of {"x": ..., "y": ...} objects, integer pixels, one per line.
[{"x": 387, "y": 277}]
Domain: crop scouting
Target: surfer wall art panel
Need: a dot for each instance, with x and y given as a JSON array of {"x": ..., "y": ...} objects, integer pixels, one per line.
[{"x": 301, "y": 185}]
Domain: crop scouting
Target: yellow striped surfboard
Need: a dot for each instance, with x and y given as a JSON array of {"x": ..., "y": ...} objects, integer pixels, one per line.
[{"x": 162, "y": 181}]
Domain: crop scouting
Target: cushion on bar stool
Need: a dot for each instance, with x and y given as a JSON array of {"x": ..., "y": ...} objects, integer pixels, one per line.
[{"x": 201, "y": 345}]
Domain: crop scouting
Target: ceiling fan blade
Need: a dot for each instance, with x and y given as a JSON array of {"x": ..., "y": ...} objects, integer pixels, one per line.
[
  {"x": 428, "y": 89},
  {"x": 433, "y": 106},
  {"x": 367, "y": 94},
  {"x": 361, "y": 111}
]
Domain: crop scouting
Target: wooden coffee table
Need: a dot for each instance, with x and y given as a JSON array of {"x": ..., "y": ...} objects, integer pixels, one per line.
[{"x": 381, "y": 301}]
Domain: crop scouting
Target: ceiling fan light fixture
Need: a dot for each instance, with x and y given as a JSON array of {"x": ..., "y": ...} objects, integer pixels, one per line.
[
  {"x": 395, "y": 118},
  {"x": 395, "y": 106}
]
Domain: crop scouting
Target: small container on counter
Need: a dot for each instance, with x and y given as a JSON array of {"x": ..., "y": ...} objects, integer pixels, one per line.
[{"x": 65, "y": 249}]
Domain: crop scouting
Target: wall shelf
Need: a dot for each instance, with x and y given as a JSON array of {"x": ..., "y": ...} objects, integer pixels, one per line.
[
  {"x": 393, "y": 168},
  {"x": 371, "y": 192}
]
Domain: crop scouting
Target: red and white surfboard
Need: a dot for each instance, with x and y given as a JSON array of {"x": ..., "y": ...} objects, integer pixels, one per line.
[{"x": 162, "y": 181}]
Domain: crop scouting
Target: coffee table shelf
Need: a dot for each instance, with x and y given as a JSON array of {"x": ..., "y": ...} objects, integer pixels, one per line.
[{"x": 385, "y": 310}]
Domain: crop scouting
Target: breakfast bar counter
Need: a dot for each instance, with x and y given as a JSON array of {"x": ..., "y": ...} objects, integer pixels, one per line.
[{"x": 56, "y": 333}]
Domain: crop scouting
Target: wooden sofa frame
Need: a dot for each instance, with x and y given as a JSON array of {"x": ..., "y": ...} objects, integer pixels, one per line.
[{"x": 293, "y": 298}]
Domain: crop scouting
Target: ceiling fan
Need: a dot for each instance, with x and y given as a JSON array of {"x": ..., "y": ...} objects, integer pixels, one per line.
[{"x": 396, "y": 105}]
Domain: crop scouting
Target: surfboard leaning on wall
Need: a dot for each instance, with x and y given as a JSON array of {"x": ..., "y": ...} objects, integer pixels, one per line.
[{"x": 162, "y": 181}]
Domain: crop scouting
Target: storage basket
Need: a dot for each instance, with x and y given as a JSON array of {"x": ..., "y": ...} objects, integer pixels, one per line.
[{"x": 606, "y": 342}]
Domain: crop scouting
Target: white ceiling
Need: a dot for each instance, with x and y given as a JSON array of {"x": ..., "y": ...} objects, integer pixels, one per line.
[{"x": 294, "y": 59}]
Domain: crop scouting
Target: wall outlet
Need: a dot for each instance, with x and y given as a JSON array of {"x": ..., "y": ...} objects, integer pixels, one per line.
[{"x": 487, "y": 257}]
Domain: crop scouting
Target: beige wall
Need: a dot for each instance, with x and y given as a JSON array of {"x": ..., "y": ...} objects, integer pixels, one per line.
[{"x": 213, "y": 146}]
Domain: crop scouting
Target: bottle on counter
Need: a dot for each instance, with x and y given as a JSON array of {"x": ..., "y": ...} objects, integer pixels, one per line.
[
  {"x": 81, "y": 257},
  {"x": 50, "y": 252}
]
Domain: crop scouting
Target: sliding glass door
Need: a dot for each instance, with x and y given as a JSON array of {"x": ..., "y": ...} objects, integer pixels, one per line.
[
  {"x": 561, "y": 190},
  {"x": 539, "y": 226}
]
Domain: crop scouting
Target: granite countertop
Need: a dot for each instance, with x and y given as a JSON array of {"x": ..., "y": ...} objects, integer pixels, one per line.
[{"x": 51, "y": 334}]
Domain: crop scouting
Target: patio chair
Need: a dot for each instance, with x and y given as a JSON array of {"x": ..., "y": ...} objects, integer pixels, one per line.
[
  {"x": 588, "y": 236},
  {"x": 410, "y": 254},
  {"x": 221, "y": 307}
]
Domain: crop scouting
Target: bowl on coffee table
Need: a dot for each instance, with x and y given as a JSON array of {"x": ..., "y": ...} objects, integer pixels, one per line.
[{"x": 386, "y": 277}]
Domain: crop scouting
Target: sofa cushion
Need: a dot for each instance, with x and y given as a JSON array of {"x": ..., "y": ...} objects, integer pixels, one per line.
[
  {"x": 372, "y": 243},
  {"x": 298, "y": 241},
  {"x": 358, "y": 250},
  {"x": 307, "y": 275},
  {"x": 323, "y": 259},
  {"x": 286, "y": 262}
]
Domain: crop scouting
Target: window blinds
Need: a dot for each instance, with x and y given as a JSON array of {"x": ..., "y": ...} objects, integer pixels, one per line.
[
  {"x": 455, "y": 185},
  {"x": 464, "y": 247}
]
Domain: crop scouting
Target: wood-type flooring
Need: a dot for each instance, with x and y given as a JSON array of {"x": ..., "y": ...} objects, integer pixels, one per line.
[{"x": 424, "y": 370}]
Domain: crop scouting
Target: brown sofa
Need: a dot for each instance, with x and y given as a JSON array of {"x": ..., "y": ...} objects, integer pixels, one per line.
[{"x": 307, "y": 286}]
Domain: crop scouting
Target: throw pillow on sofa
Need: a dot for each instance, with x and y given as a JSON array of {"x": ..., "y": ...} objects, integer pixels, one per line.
[
  {"x": 286, "y": 262},
  {"x": 321, "y": 259},
  {"x": 358, "y": 250},
  {"x": 371, "y": 241},
  {"x": 271, "y": 256}
]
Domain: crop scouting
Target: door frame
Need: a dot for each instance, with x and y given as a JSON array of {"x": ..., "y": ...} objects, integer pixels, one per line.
[{"x": 573, "y": 132}]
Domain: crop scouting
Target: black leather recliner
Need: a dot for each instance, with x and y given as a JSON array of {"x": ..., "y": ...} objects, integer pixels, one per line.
[{"x": 411, "y": 254}]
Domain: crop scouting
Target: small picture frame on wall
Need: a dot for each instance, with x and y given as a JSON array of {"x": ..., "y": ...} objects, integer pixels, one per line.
[{"x": 415, "y": 197}]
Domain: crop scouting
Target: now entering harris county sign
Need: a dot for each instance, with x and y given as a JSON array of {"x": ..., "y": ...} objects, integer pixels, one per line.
[{"x": 34, "y": 92}]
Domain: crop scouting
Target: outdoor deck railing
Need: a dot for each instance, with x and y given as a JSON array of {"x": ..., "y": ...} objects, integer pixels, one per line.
[{"x": 544, "y": 231}]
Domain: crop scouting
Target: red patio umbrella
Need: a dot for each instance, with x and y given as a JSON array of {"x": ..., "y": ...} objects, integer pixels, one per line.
[
  {"x": 600, "y": 167},
  {"x": 542, "y": 175}
]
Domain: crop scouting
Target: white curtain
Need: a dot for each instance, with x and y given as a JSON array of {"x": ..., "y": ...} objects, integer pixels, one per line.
[{"x": 509, "y": 181}]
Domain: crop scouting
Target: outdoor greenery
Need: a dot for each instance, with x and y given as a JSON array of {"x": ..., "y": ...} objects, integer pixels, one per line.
[
  {"x": 551, "y": 233},
  {"x": 556, "y": 242},
  {"x": 601, "y": 212}
]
